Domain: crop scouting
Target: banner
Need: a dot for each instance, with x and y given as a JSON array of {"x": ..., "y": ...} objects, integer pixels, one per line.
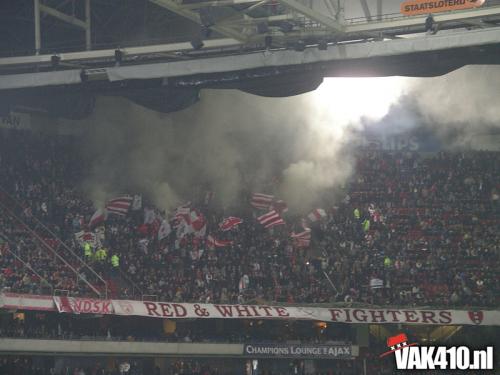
[
  {"x": 298, "y": 351},
  {"x": 340, "y": 315},
  {"x": 83, "y": 305},
  {"x": 222, "y": 311},
  {"x": 16, "y": 301},
  {"x": 417, "y": 7}
]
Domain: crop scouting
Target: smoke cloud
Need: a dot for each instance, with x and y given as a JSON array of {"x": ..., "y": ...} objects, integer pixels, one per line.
[
  {"x": 461, "y": 105},
  {"x": 299, "y": 148}
]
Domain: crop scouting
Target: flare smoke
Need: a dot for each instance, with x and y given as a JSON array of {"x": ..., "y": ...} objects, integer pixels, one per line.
[{"x": 233, "y": 143}]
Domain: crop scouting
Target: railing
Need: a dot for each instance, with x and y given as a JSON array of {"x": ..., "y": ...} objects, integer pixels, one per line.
[
  {"x": 16, "y": 205},
  {"x": 7, "y": 248},
  {"x": 136, "y": 290}
]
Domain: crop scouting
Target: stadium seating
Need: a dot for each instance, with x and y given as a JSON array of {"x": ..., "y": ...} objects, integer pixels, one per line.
[{"x": 433, "y": 237}]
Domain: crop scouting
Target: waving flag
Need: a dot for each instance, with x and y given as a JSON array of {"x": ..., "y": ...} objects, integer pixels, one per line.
[
  {"x": 302, "y": 239},
  {"x": 213, "y": 242},
  {"x": 244, "y": 283},
  {"x": 164, "y": 230},
  {"x": 262, "y": 201},
  {"x": 197, "y": 220},
  {"x": 119, "y": 206},
  {"x": 97, "y": 218},
  {"x": 317, "y": 214},
  {"x": 149, "y": 215},
  {"x": 182, "y": 213},
  {"x": 271, "y": 219},
  {"x": 230, "y": 223},
  {"x": 137, "y": 202},
  {"x": 82, "y": 237}
]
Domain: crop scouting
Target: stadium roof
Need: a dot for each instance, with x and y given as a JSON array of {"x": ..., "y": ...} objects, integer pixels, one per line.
[{"x": 160, "y": 53}]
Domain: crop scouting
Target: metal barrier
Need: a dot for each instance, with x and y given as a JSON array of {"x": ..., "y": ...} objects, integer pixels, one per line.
[
  {"x": 25, "y": 264},
  {"x": 14, "y": 204}
]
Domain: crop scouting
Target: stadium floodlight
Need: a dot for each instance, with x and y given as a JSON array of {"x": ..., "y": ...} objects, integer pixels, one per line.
[{"x": 197, "y": 43}]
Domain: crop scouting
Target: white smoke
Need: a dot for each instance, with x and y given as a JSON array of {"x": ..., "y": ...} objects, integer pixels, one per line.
[
  {"x": 462, "y": 104},
  {"x": 231, "y": 142}
]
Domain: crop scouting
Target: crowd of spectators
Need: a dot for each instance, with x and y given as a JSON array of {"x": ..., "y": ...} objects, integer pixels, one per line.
[{"x": 412, "y": 229}]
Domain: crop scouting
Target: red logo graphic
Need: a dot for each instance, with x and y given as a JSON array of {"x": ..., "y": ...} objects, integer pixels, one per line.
[
  {"x": 476, "y": 316},
  {"x": 397, "y": 342}
]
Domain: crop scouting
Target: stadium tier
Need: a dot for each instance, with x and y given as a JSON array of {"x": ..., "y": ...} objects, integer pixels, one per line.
[
  {"x": 249, "y": 187},
  {"x": 412, "y": 230},
  {"x": 413, "y": 243}
]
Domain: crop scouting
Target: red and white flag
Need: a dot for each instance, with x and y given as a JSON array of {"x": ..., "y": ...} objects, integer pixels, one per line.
[
  {"x": 89, "y": 237},
  {"x": 244, "y": 283},
  {"x": 182, "y": 213},
  {"x": 97, "y": 218},
  {"x": 271, "y": 219},
  {"x": 302, "y": 239},
  {"x": 120, "y": 205},
  {"x": 262, "y": 201},
  {"x": 317, "y": 214},
  {"x": 149, "y": 215},
  {"x": 197, "y": 220},
  {"x": 214, "y": 242},
  {"x": 229, "y": 223},
  {"x": 137, "y": 202},
  {"x": 164, "y": 230}
]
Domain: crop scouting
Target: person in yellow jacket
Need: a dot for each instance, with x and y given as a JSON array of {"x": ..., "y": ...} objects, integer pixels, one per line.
[
  {"x": 87, "y": 250},
  {"x": 366, "y": 225},
  {"x": 115, "y": 261},
  {"x": 101, "y": 254}
]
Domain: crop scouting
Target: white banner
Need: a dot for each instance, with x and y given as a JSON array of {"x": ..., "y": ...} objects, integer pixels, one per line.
[
  {"x": 215, "y": 311},
  {"x": 340, "y": 315},
  {"x": 16, "y": 301}
]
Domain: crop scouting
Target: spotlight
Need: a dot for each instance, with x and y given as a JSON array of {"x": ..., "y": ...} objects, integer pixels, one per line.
[
  {"x": 197, "y": 43},
  {"x": 268, "y": 41},
  {"x": 54, "y": 60},
  {"x": 323, "y": 45},
  {"x": 300, "y": 46},
  {"x": 118, "y": 57}
]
